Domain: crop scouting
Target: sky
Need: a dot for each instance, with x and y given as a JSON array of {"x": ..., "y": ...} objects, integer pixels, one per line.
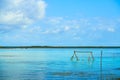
[{"x": 60, "y": 22}]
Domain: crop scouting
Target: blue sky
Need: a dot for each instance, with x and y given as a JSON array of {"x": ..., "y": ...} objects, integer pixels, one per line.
[{"x": 60, "y": 22}]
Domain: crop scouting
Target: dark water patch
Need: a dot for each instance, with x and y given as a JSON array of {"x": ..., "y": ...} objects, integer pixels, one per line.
[
  {"x": 9, "y": 56},
  {"x": 62, "y": 73},
  {"x": 110, "y": 77},
  {"x": 117, "y": 69},
  {"x": 85, "y": 74},
  {"x": 78, "y": 74},
  {"x": 117, "y": 79}
]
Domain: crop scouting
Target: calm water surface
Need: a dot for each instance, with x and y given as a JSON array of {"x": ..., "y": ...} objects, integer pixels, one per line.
[{"x": 56, "y": 64}]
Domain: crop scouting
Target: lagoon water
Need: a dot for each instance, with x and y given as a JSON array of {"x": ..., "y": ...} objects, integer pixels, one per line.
[{"x": 56, "y": 64}]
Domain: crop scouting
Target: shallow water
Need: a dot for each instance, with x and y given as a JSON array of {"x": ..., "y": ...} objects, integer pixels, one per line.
[{"x": 56, "y": 64}]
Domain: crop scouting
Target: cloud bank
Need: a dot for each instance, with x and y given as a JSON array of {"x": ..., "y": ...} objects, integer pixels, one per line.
[{"x": 22, "y": 11}]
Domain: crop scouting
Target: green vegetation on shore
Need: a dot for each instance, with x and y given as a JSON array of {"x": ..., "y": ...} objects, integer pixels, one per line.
[{"x": 59, "y": 46}]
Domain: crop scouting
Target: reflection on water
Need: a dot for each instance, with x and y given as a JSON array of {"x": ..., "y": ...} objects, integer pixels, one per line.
[{"x": 55, "y": 64}]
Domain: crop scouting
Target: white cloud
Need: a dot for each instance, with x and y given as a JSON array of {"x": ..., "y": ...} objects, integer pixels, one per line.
[
  {"x": 22, "y": 11},
  {"x": 111, "y": 29},
  {"x": 41, "y": 8},
  {"x": 16, "y": 2},
  {"x": 55, "y": 20},
  {"x": 81, "y": 26},
  {"x": 30, "y": 29},
  {"x": 53, "y": 31},
  {"x": 66, "y": 28},
  {"x": 14, "y": 18},
  {"x": 24, "y": 27}
]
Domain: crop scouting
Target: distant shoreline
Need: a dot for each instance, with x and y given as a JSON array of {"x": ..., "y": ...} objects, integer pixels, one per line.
[{"x": 7, "y": 47}]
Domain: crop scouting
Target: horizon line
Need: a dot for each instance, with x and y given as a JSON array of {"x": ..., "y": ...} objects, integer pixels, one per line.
[{"x": 59, "y": 46}]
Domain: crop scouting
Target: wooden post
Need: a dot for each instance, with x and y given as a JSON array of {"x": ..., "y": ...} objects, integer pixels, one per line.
[
  {"x": 92, "y": 56},
  {"x": 76, "y": 56}
]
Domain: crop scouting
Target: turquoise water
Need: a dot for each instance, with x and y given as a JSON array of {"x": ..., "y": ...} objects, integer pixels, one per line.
[{"x": 56, "y": 64}]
